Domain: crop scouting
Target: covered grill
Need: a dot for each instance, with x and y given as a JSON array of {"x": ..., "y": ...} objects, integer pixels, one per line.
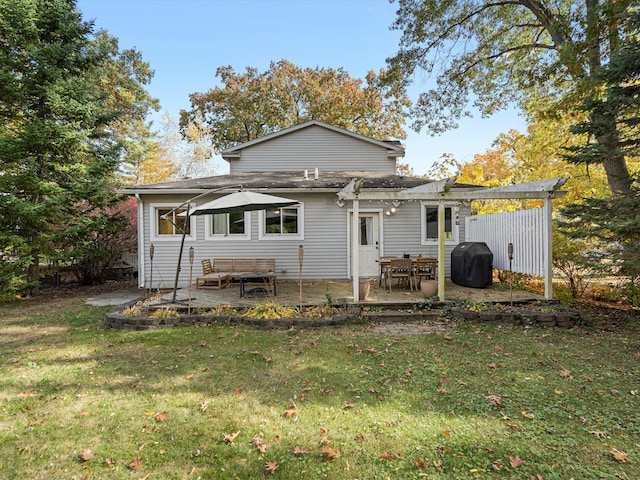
[{"x": 472, "y": 265}]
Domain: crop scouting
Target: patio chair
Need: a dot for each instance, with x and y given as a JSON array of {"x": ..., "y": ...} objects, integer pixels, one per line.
[
  {"x": 425, "y": 268},
  {"x": 401, "y": 269},
  {"x": 384, "y": 268}
]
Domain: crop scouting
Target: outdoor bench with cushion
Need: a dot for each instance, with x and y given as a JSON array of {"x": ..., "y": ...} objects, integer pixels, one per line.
[{"x": 248, "y": 271}]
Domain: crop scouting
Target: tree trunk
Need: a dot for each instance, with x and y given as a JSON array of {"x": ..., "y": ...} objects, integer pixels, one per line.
[
  {"x": 33, "y": 274},
  {"x": 615, "y": 165}
]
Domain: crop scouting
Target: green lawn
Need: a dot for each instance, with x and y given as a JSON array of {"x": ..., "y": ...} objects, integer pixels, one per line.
[{"x": 80, "y": 402}]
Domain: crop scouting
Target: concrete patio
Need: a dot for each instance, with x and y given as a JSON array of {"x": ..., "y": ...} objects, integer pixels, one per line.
[{"x": 338, "y": 292}]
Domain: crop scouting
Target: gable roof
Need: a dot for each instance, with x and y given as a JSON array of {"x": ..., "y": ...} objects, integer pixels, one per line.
[{"x": 394, "y": 148}]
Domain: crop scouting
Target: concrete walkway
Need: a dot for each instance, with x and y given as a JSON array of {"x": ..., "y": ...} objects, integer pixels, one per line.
[
  {"x": 115, "y": 298},
  {"x": 399, "y": 329}
]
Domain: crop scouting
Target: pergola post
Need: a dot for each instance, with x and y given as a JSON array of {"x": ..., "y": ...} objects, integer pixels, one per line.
[
  {"x": 548, "y": 249},
  {"x": 355, "y": 241},
  {"x": 441, "y": 252}
]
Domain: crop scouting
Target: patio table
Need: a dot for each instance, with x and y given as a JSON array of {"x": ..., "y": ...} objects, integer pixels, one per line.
[
  {"x": 386, "y": 262},
  {"x": 266, "y": 282}
]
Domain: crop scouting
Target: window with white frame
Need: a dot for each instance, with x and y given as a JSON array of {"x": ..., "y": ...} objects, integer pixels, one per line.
[
  {"x": 168, "y": 224},
  {"x": 429, "y": 221},
  {"x": 229, "y": 226},
  {"x": 286, "y": 222}
]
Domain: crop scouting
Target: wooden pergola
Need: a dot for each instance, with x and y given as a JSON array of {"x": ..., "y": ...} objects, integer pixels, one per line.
[{"x": 443, "y": 191}]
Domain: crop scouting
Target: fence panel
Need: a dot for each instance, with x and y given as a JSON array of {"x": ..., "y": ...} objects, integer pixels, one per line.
[{"x": 525, "y": 229}]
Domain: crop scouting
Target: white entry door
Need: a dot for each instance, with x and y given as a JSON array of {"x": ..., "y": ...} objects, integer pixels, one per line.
[{"x": 368, "y": 244}]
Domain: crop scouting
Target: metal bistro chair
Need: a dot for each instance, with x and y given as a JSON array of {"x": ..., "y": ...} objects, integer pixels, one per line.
[
  {"x": 401, "y": 269},
  {"x": 425, "y": 268},
  {"x": 384, "y": 268}
]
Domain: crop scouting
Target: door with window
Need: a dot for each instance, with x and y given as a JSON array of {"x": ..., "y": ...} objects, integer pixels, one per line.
[{"x": 368, "y": 244}]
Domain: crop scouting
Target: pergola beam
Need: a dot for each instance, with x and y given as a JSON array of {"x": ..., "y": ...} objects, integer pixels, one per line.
[{"x": 442, "y": 191}]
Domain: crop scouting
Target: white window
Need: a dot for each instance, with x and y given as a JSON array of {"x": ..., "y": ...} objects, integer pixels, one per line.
[
  {"x": 282, "y": 223},
  {"x": 168, "y": 224},
  {"x": 429, "y": 223},
  {"x": 228, "y": 226}
]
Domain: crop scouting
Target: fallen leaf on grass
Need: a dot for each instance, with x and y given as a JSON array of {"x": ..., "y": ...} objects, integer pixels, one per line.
[
  {"x": 111, "y": 462},
  {"x": 259, "y": 443},
  {"x": 87, "y": 454},
  {"x": 271, "y": 467},
  {"x": 162, "y": 417},
  {"x": 230, "y": 437},
  {"x": 300, "y": 451},
  {"x": 515, "y": 461},
  {"x": 494, "y": 400},
  {"x": 330, "y": 453},
  {"x": 389, "y": 457},
  {"x": 292, "y": 410},
  {"x": 325, "y": 441},
  {"x": 349, "y": 405},
  {"x": 136, "y": 464},
  {"x": 421, "y": 464},
  {"x": 565, "y": 373},
  {"x": 530, "y": 416},
  {"x": 620, "y": 456},
  {"x": 82, "y": 413}
]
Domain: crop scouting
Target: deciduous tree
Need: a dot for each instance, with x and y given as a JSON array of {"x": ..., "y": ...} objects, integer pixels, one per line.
[
  {"x": 496, "y": 53},
  {"x": 254, "y": 104}
]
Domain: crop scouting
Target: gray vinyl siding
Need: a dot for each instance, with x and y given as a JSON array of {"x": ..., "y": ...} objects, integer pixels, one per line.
[
  {"x": 325, "y": 241},
  {"x": 311, "y": 148},
  {"x": 403, "y": 231},
  {"x": 325, "y": 244}
]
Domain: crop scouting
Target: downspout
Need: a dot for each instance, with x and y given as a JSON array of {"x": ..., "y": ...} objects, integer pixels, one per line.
[{"x": 141, "y": 251}]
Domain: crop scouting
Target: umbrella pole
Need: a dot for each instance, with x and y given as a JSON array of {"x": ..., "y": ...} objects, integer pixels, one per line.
[{"x": 184, "y": 235}]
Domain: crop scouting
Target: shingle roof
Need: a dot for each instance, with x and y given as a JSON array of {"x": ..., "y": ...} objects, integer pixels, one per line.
[{"x": 283, "y": 181}]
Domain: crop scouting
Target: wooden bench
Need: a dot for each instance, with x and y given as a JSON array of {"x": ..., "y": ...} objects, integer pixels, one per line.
[
  {"x": 236, "y": 267},
  {"x": 249, "y": 271}
]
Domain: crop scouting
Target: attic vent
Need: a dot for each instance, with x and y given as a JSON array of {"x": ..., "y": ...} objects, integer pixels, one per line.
[
  {"x": 316, "y": 174},
  {"x": 306, "y": 174}
]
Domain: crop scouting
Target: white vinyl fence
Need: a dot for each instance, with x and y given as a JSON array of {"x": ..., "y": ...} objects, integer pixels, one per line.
[{"x": 525, "y": 229}]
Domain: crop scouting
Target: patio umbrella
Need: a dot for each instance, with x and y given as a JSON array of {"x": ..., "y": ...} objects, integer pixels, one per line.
[{"x": 242, "y": 201}]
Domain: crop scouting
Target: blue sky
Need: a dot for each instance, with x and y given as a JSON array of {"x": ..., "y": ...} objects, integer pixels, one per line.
[{"x": 185, "y": 41}]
